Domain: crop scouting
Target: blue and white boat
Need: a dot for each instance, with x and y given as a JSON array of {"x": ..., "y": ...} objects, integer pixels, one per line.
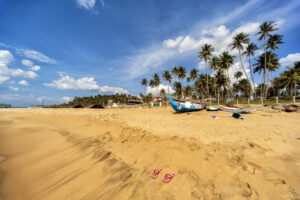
[{"x": 184, "y": 107}]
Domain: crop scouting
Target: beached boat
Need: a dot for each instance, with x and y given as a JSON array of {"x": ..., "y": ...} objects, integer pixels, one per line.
[
  {"x": 236, "y": 110},
  {"x": 184, "y": 107},
  {"x": 212, "y": 108}
]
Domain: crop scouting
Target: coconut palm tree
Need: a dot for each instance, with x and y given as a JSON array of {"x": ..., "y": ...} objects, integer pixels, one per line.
[
  {"x": 175, "y": 72},
  {"x": 144, "y": 83},
  {"x": 193, "y": 74},
  {"x": 238, "y": 75},
  {"x": 163, "y": 93},
  {"x": 168, "y": 78},
  {"x": 221, "y": 81},
  {"x": 272, "y": 43},
  {"x": 263, "y": 33},
  {"x": 152, "y": 83},
  {"x": 156, "y": 82},
  {"x": 181, "y": 75},
  {"x": 249, "y": 52},
  {"x": 291, "y": 77},
  {"x": 187, "y": 91},
  {"x": 238, "y": 41},
  {"x": 178, "y": 89},
  {"x": 226, "y": 61},
  {"x": 200, "y": 85},
  {"x": 205, "y": 54}
]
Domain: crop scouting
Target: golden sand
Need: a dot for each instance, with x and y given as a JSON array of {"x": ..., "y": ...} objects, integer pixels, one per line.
[{"x": 110, "y": 154}]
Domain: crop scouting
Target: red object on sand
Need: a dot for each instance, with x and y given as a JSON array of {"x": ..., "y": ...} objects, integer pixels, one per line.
[
  {"x": 155, "y": 173},
  {"x": 168, "y": 177}
]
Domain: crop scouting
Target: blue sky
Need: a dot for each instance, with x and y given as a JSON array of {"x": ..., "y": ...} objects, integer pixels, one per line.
[{"x": 55, "y": 50}]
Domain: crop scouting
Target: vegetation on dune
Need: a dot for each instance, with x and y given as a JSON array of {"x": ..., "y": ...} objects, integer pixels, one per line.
[{"x": 218, "y": 84}]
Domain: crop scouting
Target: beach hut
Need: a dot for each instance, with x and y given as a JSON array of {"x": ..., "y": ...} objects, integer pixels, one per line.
[
  {"x": 156, "y": 101},
  {"x": 78, "y": 106},
  {"x": 134, "y": 102},
  {"x": 97, "y": 106}
]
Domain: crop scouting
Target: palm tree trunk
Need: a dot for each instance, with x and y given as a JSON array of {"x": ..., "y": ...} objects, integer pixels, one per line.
[
  {"x": 292, "y": 90},
  {"x": 207, "y": 92},
  {"x": 251, "y": 73},
  {"x": 265, "y": 66},
  {"x": 295, "y": 88},
  {"x": 244, "y": 69},
  {"x": 268, "y": 74}
]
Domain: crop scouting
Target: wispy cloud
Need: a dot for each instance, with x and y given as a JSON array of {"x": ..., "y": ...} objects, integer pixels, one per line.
[
  {"x": 35, "y": 55},
  {"x": 87, "y": 4}
]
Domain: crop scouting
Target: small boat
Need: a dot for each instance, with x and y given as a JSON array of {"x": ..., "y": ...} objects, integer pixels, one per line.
[
  {"x": 236, "y": 110},
  {"x": 212, "y": 108},
  {"x": 184, "y": 107}
]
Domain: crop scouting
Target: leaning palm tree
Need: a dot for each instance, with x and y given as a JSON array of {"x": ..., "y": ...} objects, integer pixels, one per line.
[
  {"x": 238, "y": 41},
  {"x": 182, "y": 76},
  {"x": 205, "y": 54},
  {"x": 168, "y": 78},
  {"x": 144, "y": 83},
  {"x": 250, "y": 49},
  {"x": 272, "y": 43},
  {"x": 156, "y": 82},
  {"x": 238, "y": 75},
  {"x": 264, "y": 31}
]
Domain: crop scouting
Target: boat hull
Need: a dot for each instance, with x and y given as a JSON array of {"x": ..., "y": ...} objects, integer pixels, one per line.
[
  {"x": 235, "y": 110},
  {"x": 184, "y": 107}
]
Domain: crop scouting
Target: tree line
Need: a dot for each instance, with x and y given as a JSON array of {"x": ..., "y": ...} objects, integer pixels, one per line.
[{"x": 218, "y": 84}]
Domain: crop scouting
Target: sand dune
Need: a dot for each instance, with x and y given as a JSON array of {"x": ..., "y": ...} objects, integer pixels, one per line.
[{"x": 110, "y": 154}]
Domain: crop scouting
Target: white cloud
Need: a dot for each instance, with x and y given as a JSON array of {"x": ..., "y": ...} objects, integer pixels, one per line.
[
  {"x": 51, "y": 100},
  {"x": 69, "y": 83},
  {"x": 107, "y": 89},
  {"x": 6, "y": 57},
  {"x": 29, "y": 63},
  {"x": 23, "y": 82},
  {"x": 153, "y": 91},
  {"x": 13, "y": 88},
  {"x": 172, "y": 43},
  {"x": 88, "y": 4},
  {"x": 289, "y": 60},
  {"x": 3, "y": 79},
  {"x": 35, "y": 55}
]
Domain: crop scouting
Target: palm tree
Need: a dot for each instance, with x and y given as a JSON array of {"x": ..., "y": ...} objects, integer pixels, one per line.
[
  {"x": 193, "y": 74},
  {"x": 200, "y": 84},
  {"x": 238, "y": 41},
  {"x": 291, "y": 77},
  {"x": 163, "y": 93},
  {"x": 250, "y": 49},
  {"x": 272, "y": 45},
  {"x": 205, "y": 54},
  {"x": 144, "y": 83},
  {"x": 156, "y": 82},
  {"x": 181, "y": 75},
  {"x": 152, "y": 83},
  {"x": 187, "y": 91},
  {"x": 175, "y": 72},
  {"x": 221, "y": 81},
  {"x": 264, "y": 31},
  {"x": 168, "y": 78},
  {"x": 238, "y": 75},
  {"x": 226, "y": 61},
  {"x": 178, "y": 88}
]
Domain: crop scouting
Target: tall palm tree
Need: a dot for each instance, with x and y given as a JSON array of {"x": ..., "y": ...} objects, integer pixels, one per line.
[
  {"x": 205, "y": 54},
  {"x": 175, "y": 72},
  {"x": 226, "y": 61},
  {"x": 168, "y": 78},
  {"x": 238, "y": 41},
  {"x": 238, "y": 75},
  {"x": 144, "y": 83},
  {"x": 152, "y": 83},
  {"x": 264, "y": 32},
  {"x": 156, "y": 82},
  {"x": 249, "y": 52},
  {"x": 291, "y": 77},
  {"x": 181, "y": 75},
  {"x": 221, "y": 81},
  {"x": 272, "y": 43}
]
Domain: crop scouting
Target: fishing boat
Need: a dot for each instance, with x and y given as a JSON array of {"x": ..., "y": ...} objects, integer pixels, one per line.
[
  {"x": 212, "y": 108},
  {"x": 184, "y": 106},
  {"x": 236, "y": 110}
]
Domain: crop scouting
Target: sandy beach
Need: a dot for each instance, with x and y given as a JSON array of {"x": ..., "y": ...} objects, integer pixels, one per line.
[{"x": 110, "y": 154}]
